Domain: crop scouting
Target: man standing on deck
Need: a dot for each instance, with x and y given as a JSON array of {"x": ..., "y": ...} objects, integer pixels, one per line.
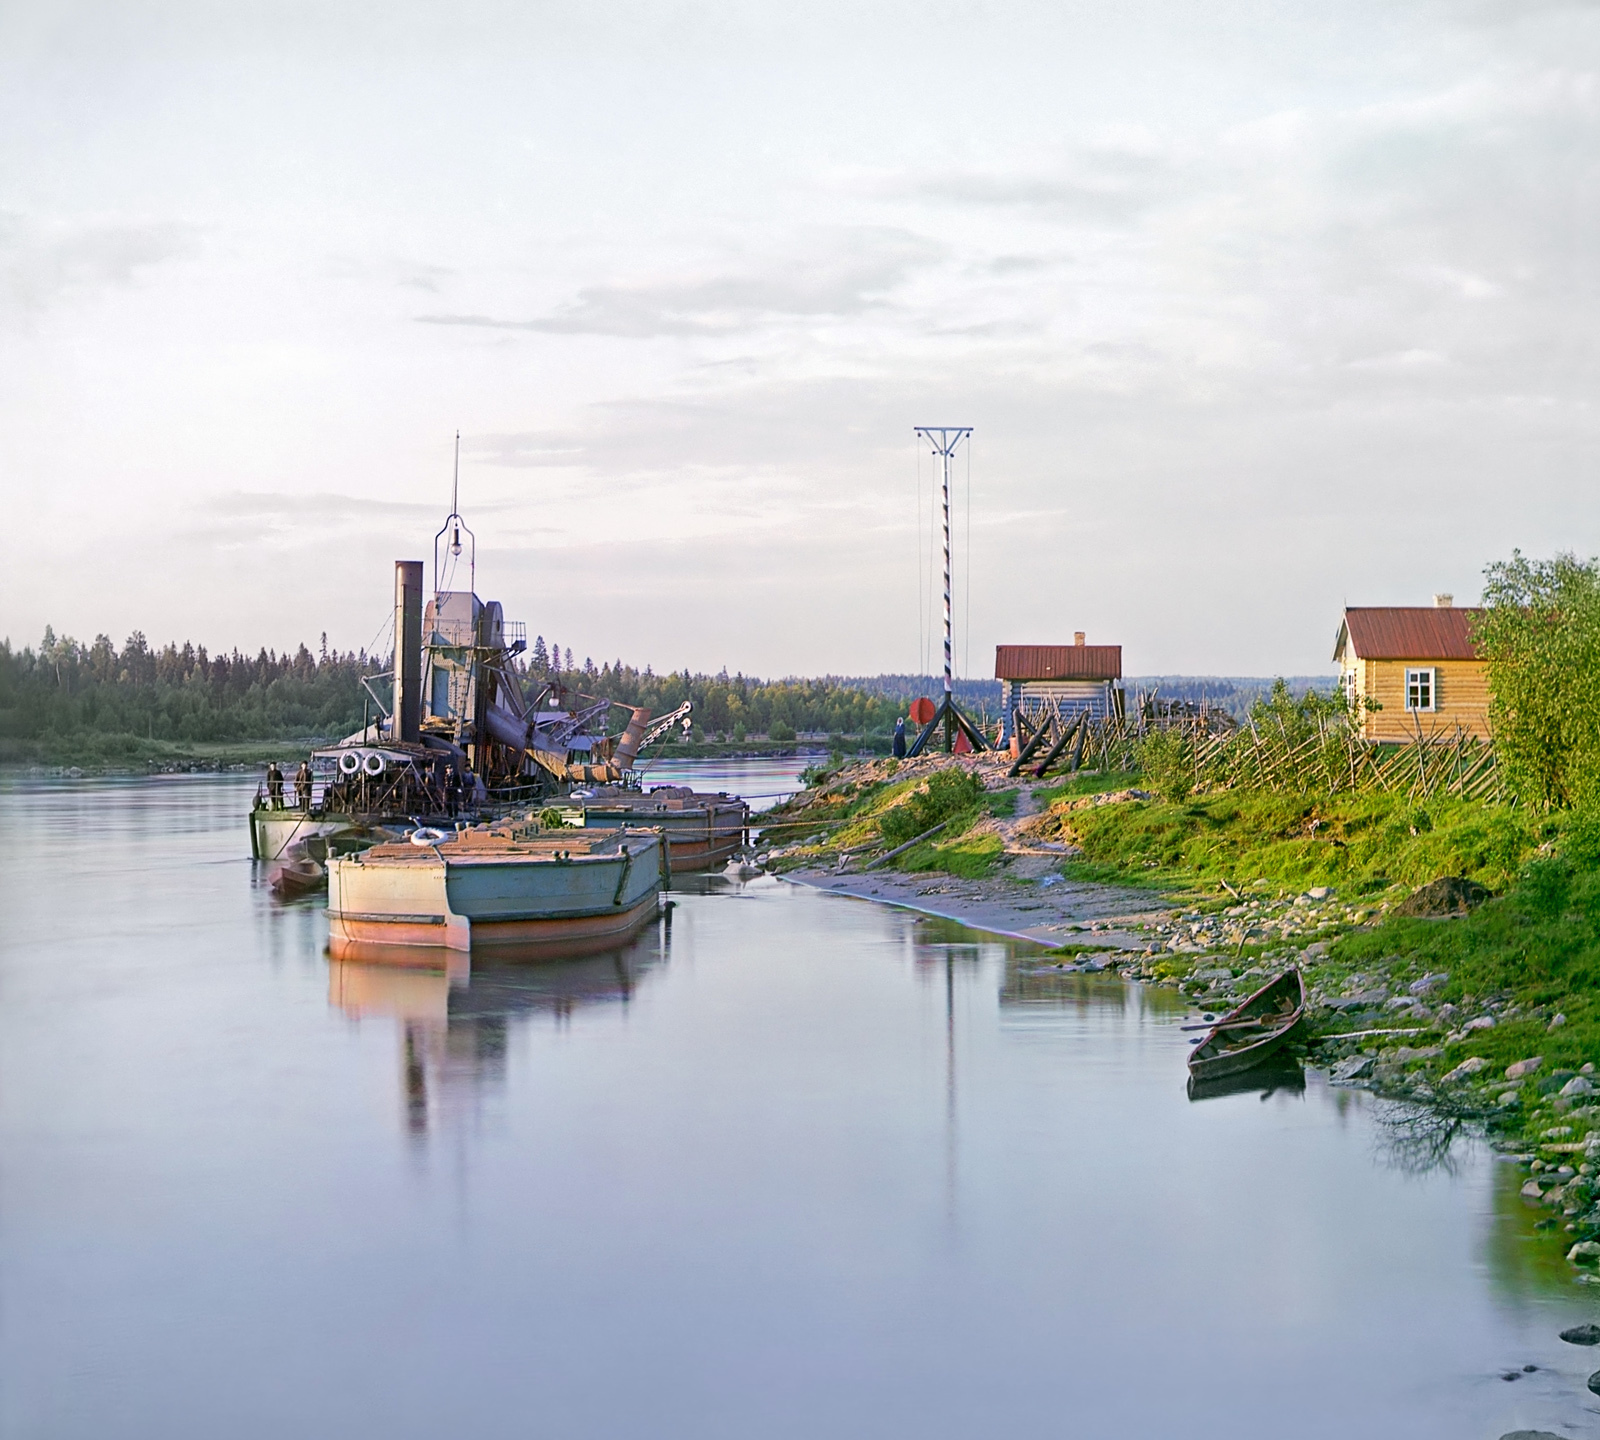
[
  {"x": 302, "y": 785},
  {"x": 274, "y": 786}
]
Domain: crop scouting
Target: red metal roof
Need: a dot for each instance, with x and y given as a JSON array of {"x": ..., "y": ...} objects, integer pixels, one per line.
[
  {"x": 1407, "y": 632},
  {"x": 1058, "y": 662}
]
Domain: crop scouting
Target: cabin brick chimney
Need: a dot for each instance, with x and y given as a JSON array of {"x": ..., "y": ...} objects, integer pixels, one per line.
[
  {"x": 1079, "y": 638},
  {"x": 1443, "y": 602}
]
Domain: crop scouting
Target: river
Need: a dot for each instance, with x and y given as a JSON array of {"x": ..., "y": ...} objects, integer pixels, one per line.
[{"x": 791, "y": 1166}]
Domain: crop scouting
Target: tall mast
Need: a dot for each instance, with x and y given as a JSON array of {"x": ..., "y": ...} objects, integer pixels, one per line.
[{"x": 945, "y": 439}]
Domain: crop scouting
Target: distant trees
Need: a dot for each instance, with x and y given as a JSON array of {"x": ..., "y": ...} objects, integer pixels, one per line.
[
  {"x": 181, "y": 693},
  {"x": 176, "y": 693},
  {"x": 1539, "y": 635}
]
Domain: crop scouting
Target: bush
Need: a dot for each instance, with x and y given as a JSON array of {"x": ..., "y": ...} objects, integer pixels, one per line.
[
  {"x": 780, "y": 730},
  {"x": 1167, "y": 760},
  {"x": 947, "y": 794},
  {"x": 1539, "y": 634}
]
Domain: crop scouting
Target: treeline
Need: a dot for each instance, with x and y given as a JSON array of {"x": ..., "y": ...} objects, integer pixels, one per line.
[
  {"x": 736, "y": 706},
  {"x": 182, "y": 694},
  {"x": 176, "y": 693}
]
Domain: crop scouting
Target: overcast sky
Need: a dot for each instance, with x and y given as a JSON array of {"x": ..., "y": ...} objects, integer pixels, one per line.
[{"x": 1257, "y": 310}]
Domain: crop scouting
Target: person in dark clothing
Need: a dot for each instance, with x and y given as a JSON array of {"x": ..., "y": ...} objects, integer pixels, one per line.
[
  {"x": 900, "y": 738},
  {"x": 302, "y": 785},
  {"x": 274, "y": 787}
]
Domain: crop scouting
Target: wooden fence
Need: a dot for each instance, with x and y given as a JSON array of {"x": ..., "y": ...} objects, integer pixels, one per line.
[{"x": 1324, "y": 757}]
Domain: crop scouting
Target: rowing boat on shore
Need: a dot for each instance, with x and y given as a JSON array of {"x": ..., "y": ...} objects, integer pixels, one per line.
[{"x": 1253, "y": 1031}]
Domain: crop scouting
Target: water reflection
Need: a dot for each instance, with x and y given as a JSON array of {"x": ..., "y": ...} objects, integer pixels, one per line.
[
  {"x": 1418, "y": 1139},
  {"x": 455, "y": 1023},
  {"x": 1279, "y": 1076}
]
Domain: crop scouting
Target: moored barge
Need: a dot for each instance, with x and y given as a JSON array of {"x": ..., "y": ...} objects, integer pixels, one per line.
[
  {"x": 703, "y": 832},
  {"x": 511, "y": 887}
]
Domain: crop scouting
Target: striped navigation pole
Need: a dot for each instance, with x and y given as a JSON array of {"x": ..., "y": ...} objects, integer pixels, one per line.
[{"x": 945, "y": 440}]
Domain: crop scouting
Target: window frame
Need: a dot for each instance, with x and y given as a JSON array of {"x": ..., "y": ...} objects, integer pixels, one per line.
[{"x": 1432, "y": 683}]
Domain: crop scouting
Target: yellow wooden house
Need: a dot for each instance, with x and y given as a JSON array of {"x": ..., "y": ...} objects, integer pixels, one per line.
[{"x": 1418, "y": 664}]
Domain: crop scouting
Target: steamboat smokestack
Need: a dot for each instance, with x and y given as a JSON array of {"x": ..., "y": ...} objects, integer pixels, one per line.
[{"x": 407, "y": 722}]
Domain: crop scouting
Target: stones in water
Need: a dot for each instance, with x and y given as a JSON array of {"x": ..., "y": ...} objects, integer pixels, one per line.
[
  {"x": 1594, "y": 1382},
  {"x": 1532, "y": 1435},
  {"x": 1520, "y": 1069},
  {"x": 1582, "y": 1335}
]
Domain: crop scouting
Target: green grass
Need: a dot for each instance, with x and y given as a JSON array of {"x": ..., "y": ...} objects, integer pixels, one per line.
[
  {"x": 1094, "y": 783},
  {"x": 1360, "y": 844}
]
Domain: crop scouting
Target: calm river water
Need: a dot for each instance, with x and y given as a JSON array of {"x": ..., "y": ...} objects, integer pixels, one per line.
[{"x": 792, "y": 1166}]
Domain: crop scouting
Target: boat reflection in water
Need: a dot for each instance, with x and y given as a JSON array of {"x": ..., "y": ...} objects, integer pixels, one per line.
[
  {"x": 1275, "y": 1077},
  {"x": 456, "y": 1014}
]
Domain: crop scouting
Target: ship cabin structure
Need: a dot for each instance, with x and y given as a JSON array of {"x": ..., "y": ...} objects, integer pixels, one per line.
[
  {"x": 1413, "y": 670},
  {"x": 1065, "y": 679}
]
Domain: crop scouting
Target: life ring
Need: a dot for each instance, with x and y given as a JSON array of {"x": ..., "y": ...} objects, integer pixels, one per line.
[
  {"x": 350, "y": 762},
  {"x": 373, "y": 764},
  {"x": 427, "y": 835}
]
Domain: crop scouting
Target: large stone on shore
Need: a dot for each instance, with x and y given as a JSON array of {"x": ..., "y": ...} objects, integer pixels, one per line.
[
  {"x": 1578, "y": 1085},
  {"x": 1354, "y": 1068},
  {"x": 1448, "y": 895},
  {"x": 1466, "y": 1068},
  {"x": 1582, "y": 1335},
  {"x": 1584, "y": 1252},
  {"x": 1521, "y": 1069}
]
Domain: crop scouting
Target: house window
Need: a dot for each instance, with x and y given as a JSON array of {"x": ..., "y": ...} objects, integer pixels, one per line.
[{"x": 1421, "y": 690}]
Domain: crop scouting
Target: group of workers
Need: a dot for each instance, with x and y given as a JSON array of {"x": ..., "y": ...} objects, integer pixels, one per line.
[
  {"x": 441, "y": 789},
  {"x": 302, "y": 786}
]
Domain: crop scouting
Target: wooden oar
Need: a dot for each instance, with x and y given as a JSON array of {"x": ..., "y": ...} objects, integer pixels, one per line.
[{"x": 1228, "y": 1024}]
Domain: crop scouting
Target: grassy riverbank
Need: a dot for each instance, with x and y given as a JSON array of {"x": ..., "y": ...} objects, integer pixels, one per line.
[{"x": 95, "y": 753}]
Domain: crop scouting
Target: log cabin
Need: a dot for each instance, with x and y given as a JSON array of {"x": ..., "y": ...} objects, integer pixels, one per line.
[
  {"x": 1418, "y": 664},
  {"x": 1065, "y": 678}
]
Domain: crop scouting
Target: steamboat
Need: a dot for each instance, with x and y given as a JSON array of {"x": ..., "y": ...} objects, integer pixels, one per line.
[{"x": 464, "y": 734}]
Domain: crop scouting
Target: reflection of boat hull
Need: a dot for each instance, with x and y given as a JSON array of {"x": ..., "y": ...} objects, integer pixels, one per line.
[
  {"x": 1279, "y": 1073},
  {"x": 703, "y": 832},
  {"x": 552, "y": 896}
]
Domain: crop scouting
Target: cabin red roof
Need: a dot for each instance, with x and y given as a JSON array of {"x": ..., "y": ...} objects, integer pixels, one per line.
[
  {"x": 1407, "y": 632},
  {"x": 1058, "y": 662}
]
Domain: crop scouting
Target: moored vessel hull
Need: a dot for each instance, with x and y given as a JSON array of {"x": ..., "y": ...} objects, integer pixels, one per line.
[
  {"x": 273, "y": 831},
  {"x": 703, "y": 832},
  {"x": 557, "y": 895}
]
